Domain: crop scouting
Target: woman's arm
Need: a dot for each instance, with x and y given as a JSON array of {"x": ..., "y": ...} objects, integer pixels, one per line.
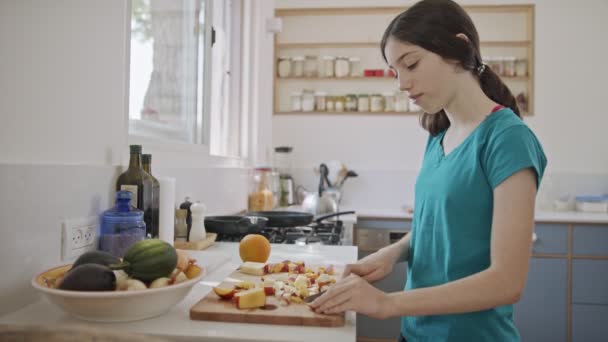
[{"x": 504, "y": 281}]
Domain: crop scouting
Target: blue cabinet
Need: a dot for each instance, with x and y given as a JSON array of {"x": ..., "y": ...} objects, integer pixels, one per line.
[
  {"x": 540, "y": 315},
  {"x": 389, "y": 329},
  {"x": 552, "y": 238},
  {"x": 589, "y": 323}
]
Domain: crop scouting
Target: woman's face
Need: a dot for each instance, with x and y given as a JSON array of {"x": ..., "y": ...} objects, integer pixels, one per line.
[{"x": 428, "y": 79}]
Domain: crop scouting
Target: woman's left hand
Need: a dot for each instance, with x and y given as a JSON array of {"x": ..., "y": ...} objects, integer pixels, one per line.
[{"x": 353, "y": 293}]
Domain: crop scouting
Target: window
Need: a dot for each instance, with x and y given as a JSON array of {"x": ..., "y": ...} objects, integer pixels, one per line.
[{"x": 185, "y": 73}]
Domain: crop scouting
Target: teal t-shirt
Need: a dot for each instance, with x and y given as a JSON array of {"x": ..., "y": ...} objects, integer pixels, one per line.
[{"x": 453, "y": 221}]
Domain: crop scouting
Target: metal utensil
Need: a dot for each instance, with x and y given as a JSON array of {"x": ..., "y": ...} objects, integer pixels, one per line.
[{"x": 310, "y": 299}]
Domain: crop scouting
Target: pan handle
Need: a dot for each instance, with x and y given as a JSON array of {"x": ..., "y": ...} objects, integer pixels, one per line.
[{"x": 318, "y": 220}]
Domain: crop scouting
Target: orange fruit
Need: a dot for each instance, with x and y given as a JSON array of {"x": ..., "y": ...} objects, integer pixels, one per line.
[{"x": 254, "y": 248}]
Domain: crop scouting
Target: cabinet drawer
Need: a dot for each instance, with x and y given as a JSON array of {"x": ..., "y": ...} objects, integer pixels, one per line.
[
  {"x": 590, "y": 240},
  {"x": 589, "y": 323},
  {"x": 590, "y": 281},
  {"x": 551, "y": 239}
]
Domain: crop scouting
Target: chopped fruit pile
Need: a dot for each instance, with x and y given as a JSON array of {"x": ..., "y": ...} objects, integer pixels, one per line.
[{"x": 290, "y": 282}]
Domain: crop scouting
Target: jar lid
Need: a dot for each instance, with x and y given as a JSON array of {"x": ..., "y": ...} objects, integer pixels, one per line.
[
  {"x": 376, "y": 95},
  {"x": 298, "y": 58},
  {"x": 388, "y": 93},
  {"x": 284, "y": 57},
  {"x": 363, "y": 95},
  {"x": 353, "y": 95},
  {"x": 283, "y": 149},
  {"x": 296, "y": 93},
  {"x": 354, "y": 59},
  {"x": 320, "y": 93},
  {"x": 329, "y": 57}
]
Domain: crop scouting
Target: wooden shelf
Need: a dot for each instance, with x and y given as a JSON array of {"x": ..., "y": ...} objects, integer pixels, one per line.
[
  {"x": 347, "y": 113},
  {"x": 342, "y": 45},
  {"x": 389, "y": 10},
  {"x": 371, "y": 78}
]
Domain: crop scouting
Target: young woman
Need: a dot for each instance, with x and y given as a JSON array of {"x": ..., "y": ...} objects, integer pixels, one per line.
[{"x": 473, "y": 218}]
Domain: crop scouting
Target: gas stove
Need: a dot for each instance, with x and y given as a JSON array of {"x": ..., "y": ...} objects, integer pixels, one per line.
[{"x": 322, "y": 233}]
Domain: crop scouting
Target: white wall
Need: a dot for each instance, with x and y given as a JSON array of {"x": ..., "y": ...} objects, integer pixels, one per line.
[{"x": 570, "y": 116}]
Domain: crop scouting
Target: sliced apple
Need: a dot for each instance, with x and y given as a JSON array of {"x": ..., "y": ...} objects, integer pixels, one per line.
[
  {"x": 193, "y": 271},
  {"x": 249, "y": 299},
  {"x": 244, "y": 285},
  {"x": 224, "y": 292}
]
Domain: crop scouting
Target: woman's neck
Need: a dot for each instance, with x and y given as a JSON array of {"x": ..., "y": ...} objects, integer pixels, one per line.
[{"x": 469, "y": 106}]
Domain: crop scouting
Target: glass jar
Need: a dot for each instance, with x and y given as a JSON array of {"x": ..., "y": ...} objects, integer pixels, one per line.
[
  {"x": 284, "y": 66},
  {"x": 355, "y": 67},
  {"x": 310, "y": 66},
  {"x": 342, "y": 68},
  {"x": 181, "y": 226},
  {"x": 350, "y": 104},
  {"x": 260, "y": 196},
  {"x": 413, "y": 107},
  {"x": 376, "y": 103},
  {"x": 320, "y": 101},
  {"x": 328, "y": 66},
  {"x": 389, "y": 102},
  {"x": 509, "y": 66},
  {"x": 296, "y": 101},
  {"x": 297, "y": 66},
  {"x": 330, "y": 103},
  {"x": 308, "y": 101},
  {"x": 339, "y": 103},
  {"x": 121, "y": 226},
  {"x": 495, "y": 63},
  {"x": 521, "y": 67},
  {"x": 401, "y": 102},
  {"x": 363, "y": 103}
]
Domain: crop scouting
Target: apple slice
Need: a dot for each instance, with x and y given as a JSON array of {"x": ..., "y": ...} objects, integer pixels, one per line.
[
  {"x": 224, "y": 293},
  {"x": 245, "y": 285},
  {"x": 249, "y": 299}
]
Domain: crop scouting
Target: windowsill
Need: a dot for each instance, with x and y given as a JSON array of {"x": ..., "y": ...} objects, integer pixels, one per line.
[{"x": 173, "y": 154}]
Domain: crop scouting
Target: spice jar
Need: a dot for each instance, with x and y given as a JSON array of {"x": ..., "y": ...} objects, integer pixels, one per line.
[
  {"x": 351, "y": 103},
  {"x": 355, "y": 67},
  {"x": 297, "y": 66},
  {"x": 284, "y": 66},
  {"x": 320, "y": 101},
  {"x": 363, "y": 103},
  {"x": 509, "y": 66},
  {"x": 413, "y": 106},
  {"x": 342, "y": 68},
  {"x": 327, "y": 69},
  {"x": 296, "y": 101},
  {"x": 521, "y": 67},
  {"x": 376, "y": 103},
  {"x": 330, "y": 103},
  {"x": 308, "y": 101},
  {"x": 389, "y": 102},
  {"x": 401, "y": 102},
  {"x": 310, "y": 66},
  {"x": 339, "y": 103},
  {"x": 260, "y": 193}
]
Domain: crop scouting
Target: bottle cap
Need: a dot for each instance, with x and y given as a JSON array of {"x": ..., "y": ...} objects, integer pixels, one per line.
[
  {"x": 146, "y": 158},
  {"x": 135, "y": 149}
]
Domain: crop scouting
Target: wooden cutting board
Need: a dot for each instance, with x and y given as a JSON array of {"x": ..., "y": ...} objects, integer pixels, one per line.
[{"x": 212, "y": 308}]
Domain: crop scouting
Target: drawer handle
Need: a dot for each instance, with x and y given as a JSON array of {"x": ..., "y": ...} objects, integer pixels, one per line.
[{"x": 534, "y": 237}]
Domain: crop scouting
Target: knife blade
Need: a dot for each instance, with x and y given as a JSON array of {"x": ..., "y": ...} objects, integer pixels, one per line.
[{"x": 310, "y": 299}]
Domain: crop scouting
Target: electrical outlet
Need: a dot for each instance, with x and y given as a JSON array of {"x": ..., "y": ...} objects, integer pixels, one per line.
[{"x": 78, "y": 236}]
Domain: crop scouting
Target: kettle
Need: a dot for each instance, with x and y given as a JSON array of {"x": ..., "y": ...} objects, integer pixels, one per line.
[{"x": 324, "y": 201}]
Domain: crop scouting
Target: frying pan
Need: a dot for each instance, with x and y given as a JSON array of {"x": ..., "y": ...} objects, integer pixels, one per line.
[
  {"x": 292, "y": 218},
  {"x": 235, "y": 225}
]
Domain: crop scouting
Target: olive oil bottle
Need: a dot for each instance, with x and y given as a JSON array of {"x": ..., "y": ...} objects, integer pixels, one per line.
[
  {"x": 147, "y": 166},
  {"x": 139, "y": 183}
]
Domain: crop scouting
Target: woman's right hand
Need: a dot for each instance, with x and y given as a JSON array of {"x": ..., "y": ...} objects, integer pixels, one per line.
[{"x": 377, "y": 265}]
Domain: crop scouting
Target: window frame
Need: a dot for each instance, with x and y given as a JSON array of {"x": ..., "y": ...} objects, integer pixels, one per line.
[{"x": 183, "y": 154}]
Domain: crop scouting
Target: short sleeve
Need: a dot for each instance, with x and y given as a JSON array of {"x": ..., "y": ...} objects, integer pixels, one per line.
[{"x": 512, "y": 150}]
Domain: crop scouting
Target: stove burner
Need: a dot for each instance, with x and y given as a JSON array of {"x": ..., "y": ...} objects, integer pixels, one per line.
[{"x": 326, "y": 233}]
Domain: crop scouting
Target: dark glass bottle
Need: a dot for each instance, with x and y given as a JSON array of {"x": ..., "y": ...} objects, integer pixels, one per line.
[
  {"x": 139, "y": 183},
  {"x": 147, "y": 165}
]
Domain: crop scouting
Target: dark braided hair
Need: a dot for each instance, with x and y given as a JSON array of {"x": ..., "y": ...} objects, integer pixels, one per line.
[{"x": 433, "y": 25}]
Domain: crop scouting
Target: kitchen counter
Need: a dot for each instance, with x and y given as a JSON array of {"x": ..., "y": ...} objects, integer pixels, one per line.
[
  {"x": 540, "y": 216},
  {"x": 220, "y": 260}
]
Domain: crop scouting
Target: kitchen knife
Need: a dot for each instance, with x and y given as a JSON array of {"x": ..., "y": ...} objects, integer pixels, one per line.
[{"x": 310, "y": 299}]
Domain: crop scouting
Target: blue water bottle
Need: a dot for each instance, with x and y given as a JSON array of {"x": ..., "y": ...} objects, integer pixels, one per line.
[{"x": 121, "y": 226}]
